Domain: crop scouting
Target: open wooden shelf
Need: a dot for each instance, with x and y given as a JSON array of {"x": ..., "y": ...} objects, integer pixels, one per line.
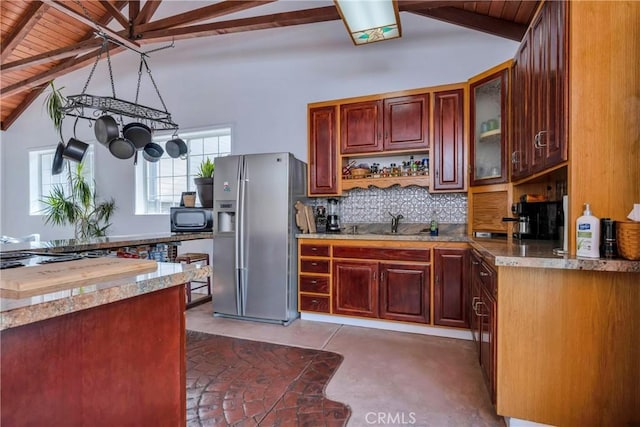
[{"x": 386, "y": 182}]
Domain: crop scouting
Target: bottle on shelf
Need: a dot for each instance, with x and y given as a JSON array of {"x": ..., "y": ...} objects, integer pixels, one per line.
[{"x": 434, "y": 224}]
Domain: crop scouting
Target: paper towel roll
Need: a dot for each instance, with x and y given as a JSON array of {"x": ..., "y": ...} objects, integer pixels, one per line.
[{"x": 634, "y": 215}]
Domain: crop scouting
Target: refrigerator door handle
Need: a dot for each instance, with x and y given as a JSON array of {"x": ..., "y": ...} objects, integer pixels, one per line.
[
  {"x": 240, "y": 288},
  {"x": 241, "y": 237}
]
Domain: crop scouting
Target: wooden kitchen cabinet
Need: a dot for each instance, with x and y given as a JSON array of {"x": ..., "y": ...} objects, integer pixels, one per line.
[
  {"x": 488, "y": 126},
  {"x": 314, "y": 277},
  {"x": 483, "y": 309},
  {"x": 540, "y": 92},
  {"x": 404, "y": 292},
  {"x": 448, "y": 159},
  {"x": 355, "y": 288},
  {"x": 451, "y": 287},
  {"x": 361, "y": 125},
  {"x": 406, "y": 123},
  {"x": 323, "y": 170}
]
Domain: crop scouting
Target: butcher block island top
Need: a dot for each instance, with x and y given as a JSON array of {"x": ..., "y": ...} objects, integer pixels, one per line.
[{"x": 104, "y": 281}]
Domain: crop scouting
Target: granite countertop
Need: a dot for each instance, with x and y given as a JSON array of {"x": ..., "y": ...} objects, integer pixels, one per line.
[
  {"x": 499, "y": 252},
  {"x": 18, "y": 312},
  {"x": 109, "y": 242}
]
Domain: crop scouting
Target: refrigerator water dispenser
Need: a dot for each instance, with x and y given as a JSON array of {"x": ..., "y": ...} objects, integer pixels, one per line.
[{"x": 226, "y": 217}]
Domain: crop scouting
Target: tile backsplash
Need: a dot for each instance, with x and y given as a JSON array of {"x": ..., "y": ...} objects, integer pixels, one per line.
[{"x": 415, "y": 204}]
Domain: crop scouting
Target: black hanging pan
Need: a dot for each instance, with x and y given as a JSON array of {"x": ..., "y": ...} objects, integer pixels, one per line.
[
  {"x": 106, "y": 129},
  {"x": 121, "y": 148},
  {"x": 138, "y": 133},
  {"x": 176, "y": 147},
  {"x": 58, "y": 160},
  {"x": 75, "y": 149},
  {"x": 152, "y": 152}
]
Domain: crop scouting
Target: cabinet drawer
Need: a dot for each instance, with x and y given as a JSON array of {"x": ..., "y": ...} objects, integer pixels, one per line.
[
  {"x": 315, "y": 284},
  {"x": 387, "y": 254},
  {"x": 488, "y": 278},
  {"x": 314, "y": 250},
  {"x": 314, "y": 266},
  {"x": 314, "y": 303}
]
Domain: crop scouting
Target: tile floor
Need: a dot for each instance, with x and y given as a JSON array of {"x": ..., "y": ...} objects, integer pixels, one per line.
[{"x": 387, "y": 378}]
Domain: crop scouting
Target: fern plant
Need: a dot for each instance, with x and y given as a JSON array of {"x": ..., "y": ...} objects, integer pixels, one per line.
[{"x": 80, "y": 208}]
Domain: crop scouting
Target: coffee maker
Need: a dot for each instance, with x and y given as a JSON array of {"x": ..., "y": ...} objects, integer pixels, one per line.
[
  {"x": 333, "y": 225},
  {"x": 537, "y": 220}
]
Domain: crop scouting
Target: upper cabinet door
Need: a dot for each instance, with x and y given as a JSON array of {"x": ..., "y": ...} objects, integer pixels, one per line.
[
  {"x": 448, "y": 141},
  {"x": 361, "y": 127},
  {"x": 488, "y": 128},
  {"x": 323, "y": 159},
  {"x": 406, "y": 123}
]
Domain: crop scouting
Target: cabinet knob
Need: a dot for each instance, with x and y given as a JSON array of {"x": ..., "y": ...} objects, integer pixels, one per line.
[
  {"x": 314, "y": 249},
  {"x": 314, "y": 263},
  {"x": 314, "y": 281},
  {"x": 484, "y": 274}
]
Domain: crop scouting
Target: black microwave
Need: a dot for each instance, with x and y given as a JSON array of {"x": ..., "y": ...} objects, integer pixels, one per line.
[{"x": 191, "y": 219}]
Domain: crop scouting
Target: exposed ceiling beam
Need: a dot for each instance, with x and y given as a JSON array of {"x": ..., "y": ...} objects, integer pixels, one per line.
[
  {"x": 201, "y": 14},
  {"x": 147, "y": 12},
  {"x": 134, "y": 9},
  {"x": 62, "y": 7},
  {"x": 277, "y": 20},
  {"x": 475, "y": 21},
  {"x": 28, "y": 100},
  {"x": 27, "y": 21},
  {"x": 115, "y": 13},
  {"x": 57, "y": 71},
  {"x": 53, "y": 55}
]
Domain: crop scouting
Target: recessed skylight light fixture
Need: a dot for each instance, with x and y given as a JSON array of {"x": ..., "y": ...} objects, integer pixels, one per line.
[{"x": 370, "y": 21}]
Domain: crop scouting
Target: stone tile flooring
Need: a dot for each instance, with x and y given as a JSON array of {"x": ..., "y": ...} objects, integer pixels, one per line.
[{"x": 236, "y": 382}]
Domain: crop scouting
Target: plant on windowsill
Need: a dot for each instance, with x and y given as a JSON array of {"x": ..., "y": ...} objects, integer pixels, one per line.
[
  {"x": 204, "y": 182},
  {"x": 81, "y": 208}
]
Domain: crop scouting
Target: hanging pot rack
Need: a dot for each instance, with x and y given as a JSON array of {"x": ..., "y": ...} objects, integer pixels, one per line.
[{"x": 91, "y": 107}]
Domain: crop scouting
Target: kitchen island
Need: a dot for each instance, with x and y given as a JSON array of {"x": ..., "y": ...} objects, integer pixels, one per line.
[
  {"x": 561, "y": 339},
  {"x": 107, "y": 353}
]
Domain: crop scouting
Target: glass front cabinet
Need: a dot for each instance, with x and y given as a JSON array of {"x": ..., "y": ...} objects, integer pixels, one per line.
[{"x": 488, "y": 97}]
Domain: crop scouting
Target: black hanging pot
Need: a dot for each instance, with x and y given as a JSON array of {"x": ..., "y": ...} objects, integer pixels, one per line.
[
  {"x": 138, "y": 133},
  {"x": 75, "y": 150},
  {"x": 106, "y": 129},
  {"x": 121, "y": 148},
  {"x": 58, "y": 160},
  {"x": 152, "y": 152},
  {"x": 176, "y": 147}
]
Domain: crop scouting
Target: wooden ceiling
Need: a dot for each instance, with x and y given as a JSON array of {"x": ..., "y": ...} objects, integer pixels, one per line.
[{"x": 42, "y": 40}]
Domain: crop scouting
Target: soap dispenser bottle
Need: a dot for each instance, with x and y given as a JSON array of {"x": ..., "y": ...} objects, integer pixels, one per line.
[{"x": 587, "y": 234}]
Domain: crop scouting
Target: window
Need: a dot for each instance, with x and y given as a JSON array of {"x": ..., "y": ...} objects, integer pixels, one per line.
[
  {"x": 41, "y": 181},
  {"x": 159, "y": 185}
]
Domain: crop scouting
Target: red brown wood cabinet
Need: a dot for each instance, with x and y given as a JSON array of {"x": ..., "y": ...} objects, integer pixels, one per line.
[
  {"x": 323, "y": 161},
  {"x": 395, "y": 289},
  {"x": 392, "y": 124},
  {"x": 448, "y": 160},
  {"x": 118, "y": 364},
  {"x": 451, "y": 291},
  {"x": 540, "y": 115},
  {"x": 314, "y": 278}
]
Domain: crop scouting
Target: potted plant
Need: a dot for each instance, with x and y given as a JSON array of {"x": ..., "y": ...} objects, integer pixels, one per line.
[
  {"x": 204, "y": 182},
  {"x": 80, "y": 208}
]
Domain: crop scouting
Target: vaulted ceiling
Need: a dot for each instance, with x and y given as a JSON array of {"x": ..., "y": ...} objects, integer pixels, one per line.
[{"x": 42, "y": 40}]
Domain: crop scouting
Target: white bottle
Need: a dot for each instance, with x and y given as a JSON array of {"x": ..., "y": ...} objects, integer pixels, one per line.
[{"x": 587, "y": 234}]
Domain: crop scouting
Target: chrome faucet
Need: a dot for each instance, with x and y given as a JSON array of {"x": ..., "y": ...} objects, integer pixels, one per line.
[{"x": 395, "y": 219}]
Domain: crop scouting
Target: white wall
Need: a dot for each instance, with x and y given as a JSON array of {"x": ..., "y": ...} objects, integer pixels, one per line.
[{"x": 260, "y": 82}]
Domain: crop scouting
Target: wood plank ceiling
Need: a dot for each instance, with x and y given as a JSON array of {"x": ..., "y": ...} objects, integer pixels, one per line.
[{"x": 42, "y": 40}]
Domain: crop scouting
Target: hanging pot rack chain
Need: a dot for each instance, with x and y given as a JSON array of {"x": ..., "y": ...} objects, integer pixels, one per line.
[{"x": 76, "y": 104}]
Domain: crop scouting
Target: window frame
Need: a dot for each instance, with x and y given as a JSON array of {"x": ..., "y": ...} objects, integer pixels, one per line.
[{"x": 142, "y": 203}]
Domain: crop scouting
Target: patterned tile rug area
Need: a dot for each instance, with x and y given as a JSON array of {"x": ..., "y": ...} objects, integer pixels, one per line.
[{"x": 236, "y": 382}]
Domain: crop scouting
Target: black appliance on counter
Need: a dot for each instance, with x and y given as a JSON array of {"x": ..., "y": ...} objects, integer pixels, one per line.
[
  {"x": 189, "y": 220},
  {"x": 537, "y": 220}
]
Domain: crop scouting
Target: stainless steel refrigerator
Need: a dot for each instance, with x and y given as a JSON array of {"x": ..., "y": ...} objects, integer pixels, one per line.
[{"x": 254, "y": 245}]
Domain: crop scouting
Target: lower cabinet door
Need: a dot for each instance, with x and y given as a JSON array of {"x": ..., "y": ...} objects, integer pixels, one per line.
[
  {"x": 404, "y": 292},
  {"x": 487, "y": 318},
  {"x": 451, "y": 287},
  {"x": 355, "y": 288}
]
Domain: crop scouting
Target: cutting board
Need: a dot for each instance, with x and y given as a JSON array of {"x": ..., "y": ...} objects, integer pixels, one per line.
[{"x": 40, "y": 279}]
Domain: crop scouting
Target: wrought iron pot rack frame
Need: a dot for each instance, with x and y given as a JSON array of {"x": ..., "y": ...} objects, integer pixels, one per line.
[{"x": 91, "y": 107}]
